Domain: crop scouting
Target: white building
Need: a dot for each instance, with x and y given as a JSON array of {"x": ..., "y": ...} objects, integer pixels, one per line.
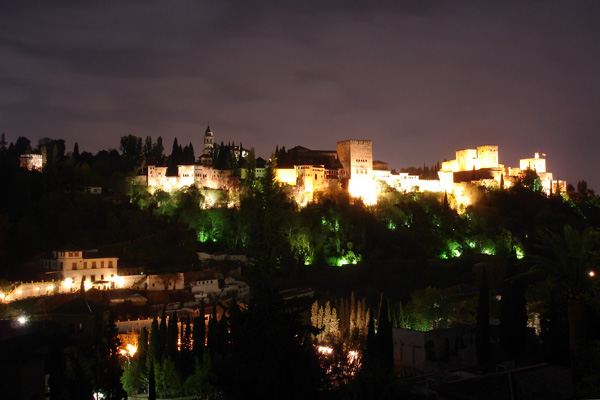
[{"x": 97, "y": 269}]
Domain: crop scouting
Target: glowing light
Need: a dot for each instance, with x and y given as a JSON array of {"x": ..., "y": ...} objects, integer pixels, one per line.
[
  {"x": 2, "y": 296},
  {"x": 490, "y": 251},
  {"x": 119, "y": 281},
  {"x": 519, "y": 252},
  {"x": 363, "y": 189},
  {"x": 22, "y": 320},
  {"x": 87, "y": 285},
  {"x": 391, "y": 225},
  {"x": 68, "y": 283},
  {"x": 326, "y": 350},
  {"x": 592, "y": 274},
  {"x": 131, "y": 349},
  {"x": 50, "y": 288},
  {"x": 353, "y": 356}
]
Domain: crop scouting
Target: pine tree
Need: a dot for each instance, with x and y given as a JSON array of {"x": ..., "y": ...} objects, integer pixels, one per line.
[{"x": 3, "y": 142}]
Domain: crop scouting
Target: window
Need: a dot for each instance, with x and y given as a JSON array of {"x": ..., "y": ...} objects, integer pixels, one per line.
[
  {"x": 101, "y": 264},
  {"x": 74, "y": 266},
  {"x": 101, "y": 277},
  {"x": 85, "y": 265},
  {"x": 93, "y": 264},
  {"x": 110, "y": 264},
  {"x": 93, "y": 278}
]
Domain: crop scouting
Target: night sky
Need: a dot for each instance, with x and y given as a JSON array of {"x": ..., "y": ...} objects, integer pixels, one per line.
[{"x": 419, "y": 78}]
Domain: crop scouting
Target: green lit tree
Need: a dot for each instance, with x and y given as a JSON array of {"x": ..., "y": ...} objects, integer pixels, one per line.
[{"x": 168, "y": 380}]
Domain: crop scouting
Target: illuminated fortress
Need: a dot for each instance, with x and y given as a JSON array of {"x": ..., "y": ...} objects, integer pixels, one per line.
[{"x": 351, "y": 167}]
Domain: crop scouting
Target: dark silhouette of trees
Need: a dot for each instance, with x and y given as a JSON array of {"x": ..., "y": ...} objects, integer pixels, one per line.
[{"x": 482, "y": 334}]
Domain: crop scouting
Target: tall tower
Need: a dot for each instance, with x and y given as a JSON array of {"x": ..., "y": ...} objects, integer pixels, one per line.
[
  {"x": 209, "y": 141},
  {"x": 356, "y": 157}
]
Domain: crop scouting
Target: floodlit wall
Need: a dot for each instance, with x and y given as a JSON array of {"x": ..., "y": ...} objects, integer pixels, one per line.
[
  {"x": 536, "y": 163},
  {"x": 467, "y": 159},
  {"x": 487, "y": 156},
  {"x": 286, "y": 176},
  {"x": 187, "y": 175},
  {"x": 356, "y": 157}
]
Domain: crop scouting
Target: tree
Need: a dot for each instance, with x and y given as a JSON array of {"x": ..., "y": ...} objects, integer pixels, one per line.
[
  {"x": 133, "y": 375},
  {"x": 162, "y": 334},
  {"x": 568, "y": 261},
  {"x": 168, "y": 380},
  {"x": 513, "y": 317},
  {"x": 131, "y": 148},
  {"x": 199, "y": 335},
  {"x": 109, "y": 377},
  {"x": 22, "y": 146},
  {"x": 198, "y": 384},
  {"x": 154, "y": 344},
  {"x": 212, "y": 335},
  {"x": 482, "y": 337},
  {"x": 3, "y": 143},
  {"x": 172, "y": 335},
  {"x": 152, "y": 383}
]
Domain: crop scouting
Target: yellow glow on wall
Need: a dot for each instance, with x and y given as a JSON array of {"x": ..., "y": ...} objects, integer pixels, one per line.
[
  {"x": 363, "y": 189},
  {"x": 286, "y": 176}
]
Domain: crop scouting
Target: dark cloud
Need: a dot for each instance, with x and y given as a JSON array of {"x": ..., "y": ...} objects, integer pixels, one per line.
[{"x": 421, "y": 79}]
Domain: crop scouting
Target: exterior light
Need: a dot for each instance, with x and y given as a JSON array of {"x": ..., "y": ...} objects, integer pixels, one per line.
[
  {"x": 592, "y": 273},
  {"x": 22, "y": 320}
]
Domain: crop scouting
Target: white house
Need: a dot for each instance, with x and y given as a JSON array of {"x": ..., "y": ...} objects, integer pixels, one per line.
[{"x": 95, "y": 268}]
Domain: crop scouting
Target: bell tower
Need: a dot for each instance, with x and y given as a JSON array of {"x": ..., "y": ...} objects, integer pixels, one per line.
[{"x": 209, "y": 141}]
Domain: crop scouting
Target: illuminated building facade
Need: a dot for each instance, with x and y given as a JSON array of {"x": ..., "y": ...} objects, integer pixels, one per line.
[
  {"x": 33, "y": 162},
  {"x": 94, "y": 268},
  {"x": 356, "y": 157},
  {"x": 352, "y": 167}
]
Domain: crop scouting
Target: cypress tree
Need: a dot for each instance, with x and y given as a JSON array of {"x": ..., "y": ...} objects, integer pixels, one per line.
[
  {"x": 199, "y": 335},
  {"x": 483, "y": 320},
  {"x": 162, "y": 334},
  {"x": 151, "y": 383},
  {"x": 172, "y": 335},
  {"x": 153, "y": 345},
  {"x": 142, "y": 348},
  {"x": 212, "y": 334},
  {"x": 383, "y": 338}
]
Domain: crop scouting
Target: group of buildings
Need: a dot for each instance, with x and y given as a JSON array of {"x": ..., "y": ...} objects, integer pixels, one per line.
[
  {"x": 71, "y": 269},
  {"x": 352, "y": 167}
]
